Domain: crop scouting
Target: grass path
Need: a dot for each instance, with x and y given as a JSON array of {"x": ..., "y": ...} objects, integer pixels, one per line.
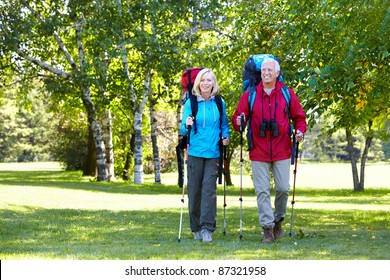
[{"x": 50, "y": 214}]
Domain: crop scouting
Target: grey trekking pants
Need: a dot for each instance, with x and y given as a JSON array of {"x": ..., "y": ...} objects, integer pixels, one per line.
[
  {"x": 261, "y": 180},
  {"x": 202, "y": 194}
]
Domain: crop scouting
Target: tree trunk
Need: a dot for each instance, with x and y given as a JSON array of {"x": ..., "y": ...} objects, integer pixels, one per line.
[
  {"x": 138, "y": 112},
  {"x": 138, "y": 166},
  {"x": 126, "y": 168},
  {"x": 97, "y": 134},
  {"x": 82, "y": 82},
  {"x": 107, "y": 136},
  {"x": 90, "y": 161},
  {"x": 153, "y": 125},
  {"x": 129, "y": 156},
  {"x": 91, "y": 111},
  {"x": 350, "y": 148},
  {"x": 364, "y": 158},
  {"x": 137, "y": 108}
]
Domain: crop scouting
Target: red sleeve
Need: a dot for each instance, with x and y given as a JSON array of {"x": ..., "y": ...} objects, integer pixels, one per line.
[
  {"x": 242, "y": 107},
  {"x": 297, "y": 114}
]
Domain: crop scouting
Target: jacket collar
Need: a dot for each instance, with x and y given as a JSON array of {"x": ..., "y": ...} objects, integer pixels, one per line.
[
  {"x": 200, "y": 98},
  {"x": 278, "y": 86}
]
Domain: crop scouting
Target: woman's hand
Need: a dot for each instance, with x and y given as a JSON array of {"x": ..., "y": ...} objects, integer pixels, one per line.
[{"x": 189, "y": 121}]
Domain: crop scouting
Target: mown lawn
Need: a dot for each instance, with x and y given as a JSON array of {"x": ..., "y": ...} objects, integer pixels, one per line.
[{"x": 50, "y": 214}]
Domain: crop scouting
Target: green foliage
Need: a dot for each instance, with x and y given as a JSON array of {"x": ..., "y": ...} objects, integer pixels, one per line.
[
  {"x": 70, "y": 147},
  {"x": 324, "y": 146},
  {"x": 26, "y": 129},
  {"x": 335, "y": 55}
]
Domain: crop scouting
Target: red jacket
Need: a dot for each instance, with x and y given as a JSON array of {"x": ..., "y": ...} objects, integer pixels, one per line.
[{"x": 271, "y": 148}]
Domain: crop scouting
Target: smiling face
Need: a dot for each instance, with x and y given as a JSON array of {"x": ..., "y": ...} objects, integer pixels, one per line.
[
  {"x": 206, "y": 84},
  {"x": 269, "y": 74}
]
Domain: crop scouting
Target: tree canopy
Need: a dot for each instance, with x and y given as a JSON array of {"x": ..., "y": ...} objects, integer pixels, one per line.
[{"x": 101, "y": 56}]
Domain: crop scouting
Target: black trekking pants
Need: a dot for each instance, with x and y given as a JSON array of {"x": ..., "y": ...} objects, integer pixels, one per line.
[{"x": 202, "y": 195}]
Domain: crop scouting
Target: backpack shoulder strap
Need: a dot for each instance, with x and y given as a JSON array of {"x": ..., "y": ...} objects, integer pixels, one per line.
[
  {"x": 251, "y": 100},
  {"x": 218, "y": 101},
  {"x": 287, "y": 97},
  {"x": 194, "y": 109}
]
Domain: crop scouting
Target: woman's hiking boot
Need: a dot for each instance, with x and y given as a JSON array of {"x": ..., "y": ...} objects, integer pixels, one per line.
[
  {"x": 198, "y": 235},
  {"x": 207, "y": 235}
]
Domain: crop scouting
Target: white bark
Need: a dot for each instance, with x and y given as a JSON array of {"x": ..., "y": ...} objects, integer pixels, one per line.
[
  {"x": 84, "y": 88},
  {"x": 138, "y": 164}
]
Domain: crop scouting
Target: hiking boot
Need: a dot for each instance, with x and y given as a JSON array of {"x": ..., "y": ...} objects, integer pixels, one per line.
[
  {"x": 268, "y": 234},
  {"x": 198, "y": 235},
  {"x": 207, "y": 235},
  {"x": 278, "y": 231}
]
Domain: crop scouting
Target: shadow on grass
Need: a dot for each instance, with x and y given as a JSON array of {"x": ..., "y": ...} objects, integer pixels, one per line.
[
  {"x": 80, "y": 234},
  {"x": 74, "y": 181}
]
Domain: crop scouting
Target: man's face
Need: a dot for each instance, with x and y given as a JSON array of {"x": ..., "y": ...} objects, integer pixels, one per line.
[{"x": 268, "y": 73}]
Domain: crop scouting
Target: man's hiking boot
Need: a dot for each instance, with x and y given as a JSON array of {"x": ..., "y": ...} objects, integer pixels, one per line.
[
  {"x": 207, "y": 235},
  {"x": 198, "y": 235},
  {"x": 278, "y": 231},
  {"x": 268, "y": 234}
]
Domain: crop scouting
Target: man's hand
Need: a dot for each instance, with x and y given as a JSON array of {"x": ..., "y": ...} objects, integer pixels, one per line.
[
  {"x": 299, "y": 136},
  {"x": 238, "y": 120}
]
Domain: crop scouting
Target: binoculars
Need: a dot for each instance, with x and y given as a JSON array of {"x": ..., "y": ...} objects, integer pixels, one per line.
[{"x": 268, "y": 125}]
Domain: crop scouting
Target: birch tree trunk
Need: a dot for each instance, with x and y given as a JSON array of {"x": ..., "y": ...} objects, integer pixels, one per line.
[
  {"x": 97, "y": 134},
  {"x": 80, "y": 77},
  {"x": 90, "y": 106},
  {"x": 138, "y": 112},
  {"x": 153, "y": 125},
  {"x": 137, "y": 107}
]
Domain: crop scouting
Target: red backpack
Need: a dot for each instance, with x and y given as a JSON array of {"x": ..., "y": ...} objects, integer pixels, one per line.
[{"x": 187, "y": 82}]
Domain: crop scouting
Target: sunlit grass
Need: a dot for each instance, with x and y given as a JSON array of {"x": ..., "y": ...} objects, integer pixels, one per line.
[{"x": 60, "y": 215}]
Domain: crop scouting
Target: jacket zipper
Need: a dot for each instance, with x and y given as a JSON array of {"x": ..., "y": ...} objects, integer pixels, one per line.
[{"x": 270, "y": 131}]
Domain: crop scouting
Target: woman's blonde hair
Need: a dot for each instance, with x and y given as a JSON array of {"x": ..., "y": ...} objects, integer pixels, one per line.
[{"x": 196, "y": 88}]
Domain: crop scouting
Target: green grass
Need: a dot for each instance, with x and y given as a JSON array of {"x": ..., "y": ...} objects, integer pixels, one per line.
[{"x": 50, "y": 214}]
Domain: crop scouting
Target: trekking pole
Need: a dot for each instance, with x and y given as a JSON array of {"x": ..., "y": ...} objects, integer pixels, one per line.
[
  {"x": 183, "y": 192},
  {"x": 293, "y": 196},
  {"x": 242, "y": 126},
  {"x": 224, "y": 189}
]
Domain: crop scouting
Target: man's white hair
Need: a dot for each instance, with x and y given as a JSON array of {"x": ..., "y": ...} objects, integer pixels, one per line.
[{"x": 276, "y": 63}]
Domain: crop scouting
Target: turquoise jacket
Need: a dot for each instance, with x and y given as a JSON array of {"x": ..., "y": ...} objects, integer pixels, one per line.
[{"x": 204, "y": 143}]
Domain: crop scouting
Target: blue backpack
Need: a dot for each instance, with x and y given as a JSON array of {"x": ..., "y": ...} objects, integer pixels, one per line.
[{"x": 251, "y": 77}]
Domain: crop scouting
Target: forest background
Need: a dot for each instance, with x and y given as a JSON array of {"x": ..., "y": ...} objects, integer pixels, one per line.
[{"x": 96, "y": 84}]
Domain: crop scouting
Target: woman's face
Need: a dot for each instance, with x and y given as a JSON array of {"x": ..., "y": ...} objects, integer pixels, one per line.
[{"x": 206, "y": 84}]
